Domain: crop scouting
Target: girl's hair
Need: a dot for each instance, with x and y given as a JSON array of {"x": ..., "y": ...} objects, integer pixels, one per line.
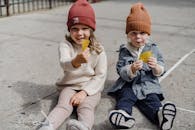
[{"x": 94, "y": 45}]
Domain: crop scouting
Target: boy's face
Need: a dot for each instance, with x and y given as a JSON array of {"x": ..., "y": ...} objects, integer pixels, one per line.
[
  {"x": 137, "y": 38},
  {"x": 79, "y": 32}
]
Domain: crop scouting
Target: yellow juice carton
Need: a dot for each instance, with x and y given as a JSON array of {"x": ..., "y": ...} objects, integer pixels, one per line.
[
  {"x": 85, "y": 44},
  {"x": 145, "y": 56}
]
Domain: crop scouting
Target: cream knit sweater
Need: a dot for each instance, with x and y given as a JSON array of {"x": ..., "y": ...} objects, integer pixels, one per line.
[{"x": 89, "y": 77}]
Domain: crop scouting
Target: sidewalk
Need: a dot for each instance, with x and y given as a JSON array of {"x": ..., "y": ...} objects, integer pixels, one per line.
[{"x": 29, "y": 61}]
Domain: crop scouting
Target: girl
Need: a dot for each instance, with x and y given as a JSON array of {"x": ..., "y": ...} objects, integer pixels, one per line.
[{"x": 84, "y": 71}]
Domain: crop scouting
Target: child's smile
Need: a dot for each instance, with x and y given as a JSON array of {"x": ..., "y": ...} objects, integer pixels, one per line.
[{"x": 79, "y": 32}]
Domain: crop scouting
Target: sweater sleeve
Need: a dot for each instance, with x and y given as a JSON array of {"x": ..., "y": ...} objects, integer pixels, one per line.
[
  {"x": 65, "y": 56},
  {"x": 96, "y": 84}
]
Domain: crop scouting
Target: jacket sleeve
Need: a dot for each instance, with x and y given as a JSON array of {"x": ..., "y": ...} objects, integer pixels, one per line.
[
  {"x": 96, "y": 84},
  {"x": 65, "y": 57},
  {"x": 124, "y": 64},
  {"x": 160, "y": 61}
]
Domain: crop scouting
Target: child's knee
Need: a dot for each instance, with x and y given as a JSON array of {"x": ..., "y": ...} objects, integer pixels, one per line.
[{"x": 68, "y": 108}]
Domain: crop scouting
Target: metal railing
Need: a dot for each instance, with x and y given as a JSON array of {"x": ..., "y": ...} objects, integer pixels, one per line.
[{"x": 11, "y": 7}]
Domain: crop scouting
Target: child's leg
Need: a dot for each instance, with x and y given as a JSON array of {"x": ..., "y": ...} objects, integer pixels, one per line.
[
  {"x": 63, "y": 109},
  {"x": 121, "y": 117},
  {"x": 150, "y": 107},
  {"x": 85, "y": 110},
  {"x": 125, "y": 99}
]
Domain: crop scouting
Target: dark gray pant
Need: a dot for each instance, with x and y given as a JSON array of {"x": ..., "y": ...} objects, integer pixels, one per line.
[{"x": 149, "y": 106}]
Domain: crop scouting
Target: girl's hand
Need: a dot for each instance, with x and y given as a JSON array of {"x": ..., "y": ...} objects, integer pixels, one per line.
[
  {"x": 81, "y": 58},
  {"x": 152, "y": 62},
  {"x": 137, "y": 65},
  {"x": 78, "y": 98}
]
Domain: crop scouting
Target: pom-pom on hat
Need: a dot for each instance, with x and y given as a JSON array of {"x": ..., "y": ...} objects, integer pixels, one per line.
[
  {"x": 81, "y": 12},
  {"x": 138, "y": 19}
]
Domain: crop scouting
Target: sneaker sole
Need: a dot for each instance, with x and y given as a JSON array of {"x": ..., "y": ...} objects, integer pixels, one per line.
[
  {"x": 116, "y": 121},
  {"x": 169, "y": 113}
]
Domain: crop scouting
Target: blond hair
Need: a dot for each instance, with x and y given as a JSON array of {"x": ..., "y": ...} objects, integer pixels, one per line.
[{"x": 94, "y": 45}]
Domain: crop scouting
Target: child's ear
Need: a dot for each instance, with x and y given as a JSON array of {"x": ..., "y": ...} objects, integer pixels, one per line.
[{"x": 128, "y": 40}]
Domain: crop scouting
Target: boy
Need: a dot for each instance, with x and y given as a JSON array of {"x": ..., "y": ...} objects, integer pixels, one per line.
[{"x": 139, "y": 65}]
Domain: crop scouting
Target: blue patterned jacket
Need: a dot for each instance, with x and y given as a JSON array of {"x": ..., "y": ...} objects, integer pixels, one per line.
[{"x": 145, "y": 82}]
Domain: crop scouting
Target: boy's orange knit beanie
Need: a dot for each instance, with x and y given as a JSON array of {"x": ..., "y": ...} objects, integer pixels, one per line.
[
  {"x": 81, "y": 12},
  {"x": 138, "y": 19}
]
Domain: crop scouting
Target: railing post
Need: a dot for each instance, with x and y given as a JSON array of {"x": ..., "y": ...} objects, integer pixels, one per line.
[
  {"x": 7, "y": 7},
  {"x": 50, "y": 4}
]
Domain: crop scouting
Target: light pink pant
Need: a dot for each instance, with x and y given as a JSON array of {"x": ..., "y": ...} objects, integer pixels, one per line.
[{"x": 63, "y": 109}]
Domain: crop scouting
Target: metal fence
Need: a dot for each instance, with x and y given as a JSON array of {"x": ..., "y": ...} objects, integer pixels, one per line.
[{"x": 11, "y": 7}]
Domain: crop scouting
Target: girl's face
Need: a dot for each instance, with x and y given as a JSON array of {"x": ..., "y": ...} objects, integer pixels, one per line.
[
  {"x": 79, "y": 32},
  {"x": 137, "y": 38}
]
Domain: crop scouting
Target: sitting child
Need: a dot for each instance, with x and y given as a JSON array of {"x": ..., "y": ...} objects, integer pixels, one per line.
[{"x": 139, "y": 66}]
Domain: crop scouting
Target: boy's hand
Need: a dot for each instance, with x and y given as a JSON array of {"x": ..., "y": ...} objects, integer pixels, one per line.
[
  {"x": 152, "y": 62},
  {"x": 81, "y": 58},
  {"x": 78, "y": 98},
  {"x": 157, "y": 69},
  {"x": 137, "y": 65}
]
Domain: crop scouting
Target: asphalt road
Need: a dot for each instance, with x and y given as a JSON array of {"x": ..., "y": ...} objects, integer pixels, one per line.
[{"x": 29, "y": 61}]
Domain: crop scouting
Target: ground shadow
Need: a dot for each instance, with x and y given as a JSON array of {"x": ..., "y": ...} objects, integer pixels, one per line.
[
  {"x": 33, "y": 94},
  {"x": 108, "y": 85},
  {"x": 105, "y": 125}
]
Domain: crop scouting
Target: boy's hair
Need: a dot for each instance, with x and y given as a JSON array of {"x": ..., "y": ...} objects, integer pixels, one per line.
[
  {"x": 94, "y": 45},
  {"x": 81, "y": 12},
  {"x": 138, "y": 19}
]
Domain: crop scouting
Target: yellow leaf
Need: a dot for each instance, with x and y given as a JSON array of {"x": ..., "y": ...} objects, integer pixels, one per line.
[
  {"x": 145, "y": 56},
  {"x": 85, "y": 44}
]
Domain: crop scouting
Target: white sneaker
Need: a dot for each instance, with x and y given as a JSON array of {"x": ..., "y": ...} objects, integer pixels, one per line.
[
  {"x": 46, "y": 126},
  {"x": 166, "y": 116},
  {"x": 121, "y": 119},
  {"x": 75, "y": 125}
]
